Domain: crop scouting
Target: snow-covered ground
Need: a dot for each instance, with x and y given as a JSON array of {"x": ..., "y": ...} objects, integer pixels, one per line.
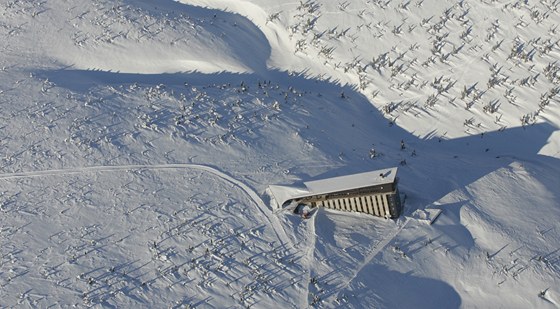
[{"x": 138, "y": 139}]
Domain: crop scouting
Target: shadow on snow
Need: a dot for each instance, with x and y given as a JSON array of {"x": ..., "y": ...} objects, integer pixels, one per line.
[{"x": 439, "y": 166}]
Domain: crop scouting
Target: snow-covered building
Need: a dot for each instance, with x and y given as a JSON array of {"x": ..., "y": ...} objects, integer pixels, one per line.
[{"x": 374, "y": 193}]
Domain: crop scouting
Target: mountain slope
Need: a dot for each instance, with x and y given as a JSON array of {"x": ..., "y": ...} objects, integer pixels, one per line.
[{"x": 138, "y": 140}]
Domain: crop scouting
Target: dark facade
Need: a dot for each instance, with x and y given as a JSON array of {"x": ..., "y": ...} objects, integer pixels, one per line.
[{"x": 381, "y": 200}]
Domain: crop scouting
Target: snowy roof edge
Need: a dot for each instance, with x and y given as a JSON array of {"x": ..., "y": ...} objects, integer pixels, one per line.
[
  {"x": 353, "y": 181},
  {"x": 282, "y": 194}
]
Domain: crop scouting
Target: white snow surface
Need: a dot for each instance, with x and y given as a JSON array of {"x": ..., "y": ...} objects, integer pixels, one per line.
[
  {"x": 138, "y": 139},
  {"x": 354, "y": 181},
  {"x": 282, "y": 194}
]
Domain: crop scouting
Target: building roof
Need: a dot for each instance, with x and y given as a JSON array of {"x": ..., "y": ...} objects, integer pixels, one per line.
[
  {"x": 282, "y": 194},
  {"x": 349, "y": 182}
]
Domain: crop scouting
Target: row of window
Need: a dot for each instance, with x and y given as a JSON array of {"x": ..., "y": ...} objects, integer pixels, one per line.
[
  {"x": 377, "y": 205},
  {"x": 386, "y": 188}
]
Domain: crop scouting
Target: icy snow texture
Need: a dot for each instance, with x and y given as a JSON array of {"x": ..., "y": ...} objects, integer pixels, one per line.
[{"x": 106, "y": 104}]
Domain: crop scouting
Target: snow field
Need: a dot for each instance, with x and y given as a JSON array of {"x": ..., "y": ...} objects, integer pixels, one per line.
[
  {"x": 105, "y": 105},
  {"x": 139, "y": 239}
]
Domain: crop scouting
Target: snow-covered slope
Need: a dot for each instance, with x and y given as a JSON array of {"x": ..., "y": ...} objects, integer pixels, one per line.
[{"x": 138, "y": 139}]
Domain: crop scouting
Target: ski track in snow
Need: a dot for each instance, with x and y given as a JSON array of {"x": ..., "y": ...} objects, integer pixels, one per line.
[
  {"x": 310, "y": 257},
  {"x": 376, "y": 249},
  {"x": 278, "y": 229}
]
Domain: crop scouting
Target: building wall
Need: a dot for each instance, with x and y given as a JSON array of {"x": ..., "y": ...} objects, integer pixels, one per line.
[{"x": 381, "y": 205}]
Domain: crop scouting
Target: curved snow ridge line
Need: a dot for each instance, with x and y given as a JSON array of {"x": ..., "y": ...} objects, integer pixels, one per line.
[
  {"x": 113, "y": 168},
  {"x": 276, "y": 35}
]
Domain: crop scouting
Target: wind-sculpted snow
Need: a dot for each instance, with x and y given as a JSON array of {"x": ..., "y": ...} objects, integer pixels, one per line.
[
  {"x": 194, "y": 117},
  {"x": 139, "y": 236},
  {"x": 135, "y": 152},
  {"x": 148, "y": 37},
  {"x": 425, "y": 63}
]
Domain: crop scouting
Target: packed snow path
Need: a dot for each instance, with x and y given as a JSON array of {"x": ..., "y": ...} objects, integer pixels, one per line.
[
  {"x": 171, "y": 235},
  {"x": 375, "y": 251},
  {"x": 278, "y": 229}
]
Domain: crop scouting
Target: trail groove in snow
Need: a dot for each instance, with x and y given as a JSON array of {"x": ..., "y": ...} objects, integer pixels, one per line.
[
  {"x": 310, "y": 258},
  {"x": 278, "y": 230},
  {"x": 375, "y": 250}
]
